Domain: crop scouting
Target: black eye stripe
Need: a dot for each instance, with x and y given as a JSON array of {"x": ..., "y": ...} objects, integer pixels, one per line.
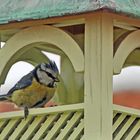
[{"x": 49, "y": 74}]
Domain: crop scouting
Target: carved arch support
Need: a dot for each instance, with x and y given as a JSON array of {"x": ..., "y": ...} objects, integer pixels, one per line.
[
  {"x": 127, "y": 45},
  {"x": 21, "y": 42}
]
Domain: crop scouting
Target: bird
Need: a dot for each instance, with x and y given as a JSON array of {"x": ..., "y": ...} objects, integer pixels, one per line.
[{"x": 34, "y": 89}]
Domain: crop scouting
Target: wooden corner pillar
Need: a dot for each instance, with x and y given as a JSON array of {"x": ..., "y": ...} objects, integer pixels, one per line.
[{"x": 98, "y": 77}]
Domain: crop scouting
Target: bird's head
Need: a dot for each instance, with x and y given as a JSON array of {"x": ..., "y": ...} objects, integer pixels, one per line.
[{"x": 47, "y": 73}]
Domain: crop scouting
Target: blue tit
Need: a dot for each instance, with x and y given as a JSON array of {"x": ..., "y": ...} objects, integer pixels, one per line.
[{"x": 34, "y": 89}]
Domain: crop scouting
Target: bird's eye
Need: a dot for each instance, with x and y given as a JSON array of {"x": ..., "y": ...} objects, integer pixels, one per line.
[{"x": 50, "y": 75}]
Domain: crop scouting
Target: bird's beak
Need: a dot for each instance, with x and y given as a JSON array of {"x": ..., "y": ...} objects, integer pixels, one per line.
[{"x": 57, "y": 80}]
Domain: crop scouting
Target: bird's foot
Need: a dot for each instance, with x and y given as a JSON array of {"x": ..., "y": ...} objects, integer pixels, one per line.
[{"x": 26, "y": 112}]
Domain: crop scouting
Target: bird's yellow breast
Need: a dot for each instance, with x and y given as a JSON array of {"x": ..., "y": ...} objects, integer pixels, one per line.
[{"x": 32, "y": 94}]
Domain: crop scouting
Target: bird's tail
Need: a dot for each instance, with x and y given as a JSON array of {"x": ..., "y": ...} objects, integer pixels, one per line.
[{"x": 3, "y": 98}]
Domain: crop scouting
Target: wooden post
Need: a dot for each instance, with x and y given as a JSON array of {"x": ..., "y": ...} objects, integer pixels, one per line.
[{"x": 98, "y": 77}]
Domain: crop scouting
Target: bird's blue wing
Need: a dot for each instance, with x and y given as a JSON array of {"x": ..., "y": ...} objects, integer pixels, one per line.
[{"x": 22, "y": 83}]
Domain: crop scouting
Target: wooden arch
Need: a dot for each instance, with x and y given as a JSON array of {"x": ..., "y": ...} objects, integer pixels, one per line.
[
  {"x": 127, "y": 45},
  {"x": 18, "y": 44}
]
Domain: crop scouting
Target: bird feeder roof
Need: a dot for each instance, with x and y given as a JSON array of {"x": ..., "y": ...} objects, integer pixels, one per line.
[{"x": 20, "y": 10}]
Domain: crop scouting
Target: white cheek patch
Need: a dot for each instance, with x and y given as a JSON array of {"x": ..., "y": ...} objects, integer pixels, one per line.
[{"x": 44, "y": 78}]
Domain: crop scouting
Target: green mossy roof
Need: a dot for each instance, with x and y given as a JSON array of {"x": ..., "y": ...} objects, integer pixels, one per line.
[{"x": 19, "y": 10}]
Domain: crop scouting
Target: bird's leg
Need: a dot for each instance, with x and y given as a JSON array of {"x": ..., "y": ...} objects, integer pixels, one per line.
[{"x": 26, "y": 112}]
